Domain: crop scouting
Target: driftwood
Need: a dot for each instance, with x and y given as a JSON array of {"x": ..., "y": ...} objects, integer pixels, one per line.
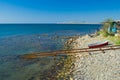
[{"x": 68, "y": 52}]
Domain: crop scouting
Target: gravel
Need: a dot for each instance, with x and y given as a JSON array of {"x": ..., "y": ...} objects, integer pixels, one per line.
[{"x": 95, "y": 65}]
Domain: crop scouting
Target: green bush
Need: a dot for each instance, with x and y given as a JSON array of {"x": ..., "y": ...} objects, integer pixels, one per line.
[
  {"x": 106, "y": 24},
  {"x": 117, "y": 42}
]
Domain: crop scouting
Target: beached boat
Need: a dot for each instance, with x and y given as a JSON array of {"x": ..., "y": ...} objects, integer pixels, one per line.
[{"x": 97, "y": 45}]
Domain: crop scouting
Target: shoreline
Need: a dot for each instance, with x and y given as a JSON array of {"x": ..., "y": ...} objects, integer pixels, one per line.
[
  {"x": 84, "y": 66},
  {"x": 94, "y": 65}
]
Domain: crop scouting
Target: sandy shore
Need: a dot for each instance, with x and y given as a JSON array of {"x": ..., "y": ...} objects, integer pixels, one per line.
[{"x": 94, "y": 65}]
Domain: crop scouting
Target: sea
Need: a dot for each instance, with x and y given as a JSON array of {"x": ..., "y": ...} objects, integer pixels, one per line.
[{"x": 20, "y": 39}]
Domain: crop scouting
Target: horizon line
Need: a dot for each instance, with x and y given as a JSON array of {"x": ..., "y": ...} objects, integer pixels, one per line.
[{"x": 52, "y": 23}]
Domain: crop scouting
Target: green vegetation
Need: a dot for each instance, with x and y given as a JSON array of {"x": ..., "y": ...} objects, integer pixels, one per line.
[
  {"x": 109, "y": 35},
  {"x": 107, "y": 23},
  {"x": 114, "y": 39}
]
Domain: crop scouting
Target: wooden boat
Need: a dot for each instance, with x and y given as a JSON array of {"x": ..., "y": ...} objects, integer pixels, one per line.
[{"x": 97, "y": 45}]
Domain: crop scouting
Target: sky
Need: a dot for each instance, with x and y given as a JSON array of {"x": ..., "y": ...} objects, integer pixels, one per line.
[{"x": 58, "y": 11}]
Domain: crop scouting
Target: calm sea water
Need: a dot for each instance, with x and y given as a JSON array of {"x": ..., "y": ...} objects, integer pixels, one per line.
[
  {"x": 27, "y": 38},
  {"x": 18, "y": 39},
  {"x": 20, "y": 29}
]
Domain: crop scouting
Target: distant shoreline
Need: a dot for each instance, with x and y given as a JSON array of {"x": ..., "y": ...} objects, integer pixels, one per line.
[{"x": 50, "y": 23}]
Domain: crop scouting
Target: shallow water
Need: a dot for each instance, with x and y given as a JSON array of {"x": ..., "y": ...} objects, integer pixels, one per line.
[{"x": 19, "y": 39}]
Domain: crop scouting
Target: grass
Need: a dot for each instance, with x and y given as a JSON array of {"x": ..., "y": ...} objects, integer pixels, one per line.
[
  {"x": 111, "y": 37},
  {"x": 115, "y": 39}
]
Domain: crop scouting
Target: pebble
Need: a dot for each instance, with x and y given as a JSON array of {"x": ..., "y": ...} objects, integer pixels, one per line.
[{"x": 96, "y": 66}]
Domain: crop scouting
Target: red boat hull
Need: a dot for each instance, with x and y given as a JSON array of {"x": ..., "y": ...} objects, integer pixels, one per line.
[{"x": 98, "y": 45}]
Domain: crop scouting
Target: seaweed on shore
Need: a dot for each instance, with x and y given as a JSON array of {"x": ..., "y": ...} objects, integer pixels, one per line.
[{"x": 61, "y": 70}]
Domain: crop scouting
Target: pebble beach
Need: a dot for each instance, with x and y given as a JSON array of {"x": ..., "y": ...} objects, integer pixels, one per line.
[{"x": 94, "y": 65}]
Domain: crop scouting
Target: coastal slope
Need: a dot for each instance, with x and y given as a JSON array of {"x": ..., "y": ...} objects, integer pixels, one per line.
[{"x": 94, "y": 65}]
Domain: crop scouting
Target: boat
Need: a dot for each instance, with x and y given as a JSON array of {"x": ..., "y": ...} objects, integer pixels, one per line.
[{"x": 97, "y": 45}]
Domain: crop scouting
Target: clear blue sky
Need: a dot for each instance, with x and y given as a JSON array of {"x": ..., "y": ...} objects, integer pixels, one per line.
[{"x": 52, "y": 11}]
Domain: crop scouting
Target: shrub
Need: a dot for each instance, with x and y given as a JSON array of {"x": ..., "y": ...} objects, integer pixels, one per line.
[{"x": 108, "y": 23}]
